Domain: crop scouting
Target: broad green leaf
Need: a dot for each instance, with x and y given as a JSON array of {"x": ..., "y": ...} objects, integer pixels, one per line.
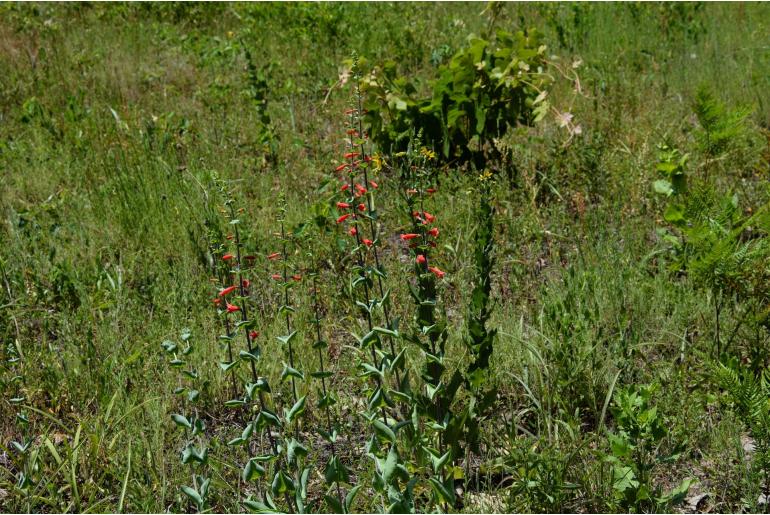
[
  {"x": 295, "y": 410},
  {"x": 193, "y": 495},
  {"x": 383, "y": 431},
  {"x": 181, "y": 420}
]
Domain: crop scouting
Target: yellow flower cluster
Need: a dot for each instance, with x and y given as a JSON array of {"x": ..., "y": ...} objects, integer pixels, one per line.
[
  {"x": 485, "y": 175},
  {"x": 428, "y": 154}
]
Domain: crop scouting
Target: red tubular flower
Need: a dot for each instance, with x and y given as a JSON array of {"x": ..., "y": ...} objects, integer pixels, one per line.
[
  {"x": 411, "y": 191},
  {"x": 216, "y": 301},
  {"x": 343, "y": 205},
  {"x": 353, "y": 231},
  {"x": 227, "y": 257},
  {"x": 433, "y": 232},
  {"x": 367, "y": 242},
  {"x": 343, "y": 218},
  {"x": 368, "y": 159},
  {"x": 229, "y": 237},
  {"x": 274, "y": 256},
  {"x": 429, "y": 217},
  {"x": 360, "y": 189},
  {"x": 351, "y": 155},
  {"x": 341, "y": 167},
  {"x": 352, "y": 132},
  {"x": 232, "y": 309},
  {"x": 226, "y": 291},
  {"x": 345, "y": 187},
  {"x": 276, "y": 277},
  {"x": 350, "y": 111},
  {"x": 431, "y": 190},
  {"x": 246, "y": 283},
  {"x": 253, "y": 335},
  {"x": 362, "y": 207},
  {"x": 409, "y": 236},
  {"x": 296, "y": 277},
  {"x": 373, "y": 184},
  {"x": 438, "y": 273},
  {"x": 420, "y": 259}
]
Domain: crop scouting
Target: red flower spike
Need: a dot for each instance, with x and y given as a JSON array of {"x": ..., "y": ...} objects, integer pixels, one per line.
[
  {"x": 353, "y": 231},
  {"x": 438, "y": 273},
  {"x": 232, "y": 309},
  {"x": 360, "y": 189},
  {"x": 274, "y": 256},
  {"x": 420, "y": 259},
  {"x": 343, "y": 205},
  {"x": 362, "y": 207},
  {"x": 367, "y": 242},
  {"x": 226, "y": 291},
  {"x": 341, "y": 167},
  {"x": 409, "y": 236},
  {"x": 429, "y": 217},
  {"x": 345, "y": 187},
  {"x": 343, "y": 218},
  {"x": 433, "y": 232},
  {"x": 253, "y": 335},
  {"x": 227, "y": 257}
]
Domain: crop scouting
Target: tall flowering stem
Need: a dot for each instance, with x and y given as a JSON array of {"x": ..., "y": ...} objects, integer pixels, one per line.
[
  {"x": 256, "y": 390},
  {"x": 221, "y": 277},
  {"x": 357, "y": 135},
  {"x": 436, "y": 442},
  {"x": 390, "y": 477}
]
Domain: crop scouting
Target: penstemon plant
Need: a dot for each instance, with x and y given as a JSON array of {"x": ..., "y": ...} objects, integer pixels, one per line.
[
  {"x": 435, "y": 439},
  {"x": 195, "y": 452},
  {"x": 295, "y": 478},
  {"x": 391, "y": 477},
  {"x": 256, "y": 388}
]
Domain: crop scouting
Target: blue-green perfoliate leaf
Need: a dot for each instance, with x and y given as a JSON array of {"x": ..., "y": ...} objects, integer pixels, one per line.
[
  {"x": 181, "y": 420},
  {"x": 295, "y": 411},
  {"x": 253, "y": 470}
]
